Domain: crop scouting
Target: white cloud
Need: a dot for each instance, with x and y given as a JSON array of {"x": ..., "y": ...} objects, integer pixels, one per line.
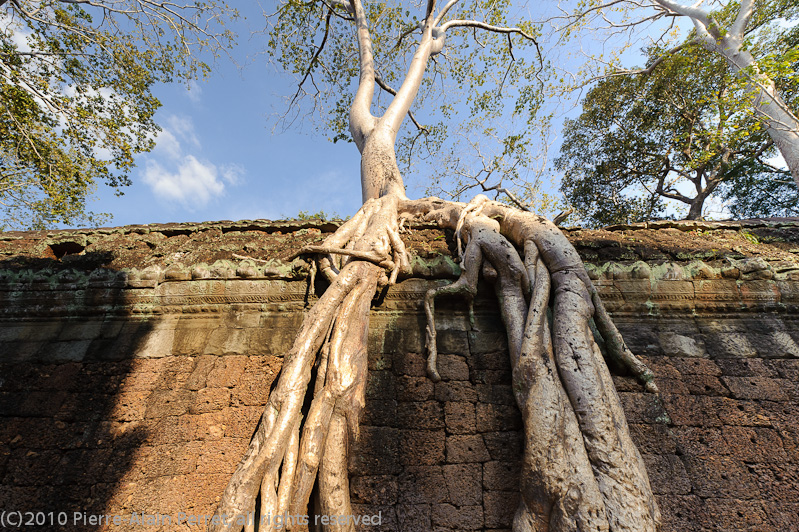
[
  {"x": 183, "y": 127},
  {"x": 176, "y": 176},
  {"x": 167, "y": 145},
  {"x": 192, "y": 184},
  {"x": 194, "y": 91}
]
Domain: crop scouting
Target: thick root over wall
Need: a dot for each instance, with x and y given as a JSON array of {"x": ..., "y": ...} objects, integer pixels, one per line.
[{"x": 580, "y": 468}]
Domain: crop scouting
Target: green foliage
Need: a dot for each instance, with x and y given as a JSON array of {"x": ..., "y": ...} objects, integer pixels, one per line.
[
  {"x": 684, "y": 132},
  {"x": 321, "y": 215},
  {"x": 75, "y": 95}
]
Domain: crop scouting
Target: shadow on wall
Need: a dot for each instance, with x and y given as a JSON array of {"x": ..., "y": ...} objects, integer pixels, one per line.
[
  {"x": 127, "y": 393},
  {"x": 68, "y": 427}
]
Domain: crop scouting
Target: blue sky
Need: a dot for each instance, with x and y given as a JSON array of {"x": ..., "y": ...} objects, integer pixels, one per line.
[{"x": 217, "y": 159}]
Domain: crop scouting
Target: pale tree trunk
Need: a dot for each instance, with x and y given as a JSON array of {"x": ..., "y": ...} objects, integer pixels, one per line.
[
  {"x": 580, "y": 469},
  {"x": 780, "y": 121},
  {"x": 781, "y": 124}
]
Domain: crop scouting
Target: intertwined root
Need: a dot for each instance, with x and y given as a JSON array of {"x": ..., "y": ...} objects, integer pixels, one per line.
[
  {"x": 581, "y": 471},
  {"x": 287, "y": 455}
]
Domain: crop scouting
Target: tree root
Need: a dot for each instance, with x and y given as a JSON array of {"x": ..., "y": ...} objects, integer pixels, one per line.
[
  {"x": 286, "y": 455},
  {"x": 581, "y": 471}
]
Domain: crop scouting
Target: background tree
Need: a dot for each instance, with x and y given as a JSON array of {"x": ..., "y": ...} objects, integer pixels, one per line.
[
  {"x": 580, "y": 469},
  {"x": 676, "y": 133},
  {"x": 756, "y": 38},
  {"x": 75, "y": 94}
]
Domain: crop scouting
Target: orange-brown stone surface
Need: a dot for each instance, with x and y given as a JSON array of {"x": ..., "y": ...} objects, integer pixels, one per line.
[{"x": 134, "y": 363}]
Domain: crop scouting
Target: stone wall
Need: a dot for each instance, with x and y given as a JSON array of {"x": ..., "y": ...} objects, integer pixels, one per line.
[{"x": 133, "y": 389}]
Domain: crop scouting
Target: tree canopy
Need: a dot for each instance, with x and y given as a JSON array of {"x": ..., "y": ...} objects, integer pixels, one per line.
[
  {"x": 477, "y": 107},
  {"x": 756, "y": 38},
  {"x": 76, "y": 79},
  {"x": 679, "y": 132}
]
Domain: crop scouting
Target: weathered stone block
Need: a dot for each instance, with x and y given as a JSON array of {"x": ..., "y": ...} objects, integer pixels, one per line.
[
  {"x": 464, "y": 484},
  {"x": 380, "y": 385},
  {"x": 495, "y": 394},
  {"x": 462, "y": 518},
  {"x": 667, "y": 474},
  {"x": 466, "y": 448},
  {"x": 497, "y": 417},
  {"x": 499, "y": 508},
  {"x": 413, "y": 518},
  {"x": 492, "y": 343},
  {"x": 755, "y": 388},
  {"x": 677, "y": 345},
  {"x": 422, "y": 484},
  {"x": 81, "y": 330},
  {"x": 696, "y": 366},
  {"x": 162, "y": 403},
  {"x": 73, "y": 351},
  {"x": 411, "y": 364},
  {"x": 422, "y": 447},
  {"x": 134, "y": 406},
  {"x": 713, "y": 476},
  {"x": 420, "y": 415},
  {"x": 452, "y": 341},
  {"x": 501, "y": 476},
  {"x": 203, "y": 366},
  {"x": 378, "y": 489},
  {"x": 380, "y": 413},
  {"x": 456, "y": 391},
  {"x": 220, "y": 456},
  {"x": 226, "y": 372},
  {"x": 210, "y": 400},
  {"x": 493, "y": 360},
  {"x": 453, "y": 368},
  {"x": 460, "y": 418},
  {"x": 506, "y": 446},
  {"x": 223, "y": 342},
  {"x": 191, "y": 341},
  {"x": 414, "y": 388}
]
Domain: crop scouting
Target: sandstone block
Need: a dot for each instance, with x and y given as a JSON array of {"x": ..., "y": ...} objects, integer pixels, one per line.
[
  {"x": 497, "y": 417},
  {"x": 499, "y": 508},
  {"x": 460, "y": 418},
  {"x": 422, "y": 447},
  {"x": 464, "y": 484},
  {"x": 466, "y": 448},
  {"x": 453, "y": 368},
  {"x": 226, "y": 371},
  {"x": 413, "y": 518},
  {"x": 420, "y": 415},
  {"x": 422, "y": 484},
  {"x": 460, "y": 518}
]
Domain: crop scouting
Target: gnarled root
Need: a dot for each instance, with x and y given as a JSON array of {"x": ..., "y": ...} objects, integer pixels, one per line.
[
  {"x": 286, "y": 454},
  {"x": 581, "y": 471}
]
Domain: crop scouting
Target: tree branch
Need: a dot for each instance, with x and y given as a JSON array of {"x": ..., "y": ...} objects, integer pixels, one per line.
[
  {"x": 742, "y": 20},
  {"x": 361, "y": 118},
  {"x": 315, "y": 57},
  {"x": 382, "y": 84}
]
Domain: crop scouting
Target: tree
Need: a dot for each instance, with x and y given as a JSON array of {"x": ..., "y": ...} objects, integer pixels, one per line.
[
  {"x": 756, "y": 38},
  {"x": 678, "y": 133},
  {"x": 581, "y": 470},
  {"x": 75, "y": 86}
]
